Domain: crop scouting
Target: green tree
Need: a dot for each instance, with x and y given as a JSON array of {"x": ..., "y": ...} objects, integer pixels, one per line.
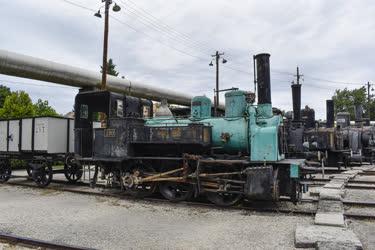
[
  {"x": 42, "y": 108},
  {"x": 17, "y": 105},
  {"x": 345, "y": 100},
  {"x": 111, "y": 68},
  {"x": 4, "y": 92}
]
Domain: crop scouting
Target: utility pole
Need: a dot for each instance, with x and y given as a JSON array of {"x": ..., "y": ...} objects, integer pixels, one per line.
[
  {"x": 105, "y": 44},
  {"x": 298, "y": 76},
  {"x": 116, "y": 8},
  {"x": 217, "y": 57}
]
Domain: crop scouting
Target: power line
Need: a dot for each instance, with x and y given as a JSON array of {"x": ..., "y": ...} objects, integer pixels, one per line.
[
  {"x": 318, "y": 87},
  {"x": 151, "y": 24},
  {"x": 151, "y": 37},
  {"x": 150, "y": 16},
  {"x": 159, "y": 41},
  {"x": 157, "y": 28},
  {"x": 78, "y": 5},
  {"x": 330, "y": 81},
  {"x": 167, "y": 27},
  {"x": 282, "y": 72},
  {"x": 135, "y": 29},
  {"x": 172, "y": 47}
]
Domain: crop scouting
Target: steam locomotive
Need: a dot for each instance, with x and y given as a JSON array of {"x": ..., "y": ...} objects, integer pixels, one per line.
[
  {"x": 326, "y": 144},
  {"x": 240, "y": 155}
]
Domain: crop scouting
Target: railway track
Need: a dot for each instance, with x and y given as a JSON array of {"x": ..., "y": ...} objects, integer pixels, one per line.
[
  {"x": 35, "y": 243},
  {"x": 265, "y": 207}
]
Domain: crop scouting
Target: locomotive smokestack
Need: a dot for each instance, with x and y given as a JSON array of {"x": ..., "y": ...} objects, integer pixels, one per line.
[
  {"x": 296, "y": 95},
  {"x": 330, "y": 114},
  {"x": 263, "y": 78}
]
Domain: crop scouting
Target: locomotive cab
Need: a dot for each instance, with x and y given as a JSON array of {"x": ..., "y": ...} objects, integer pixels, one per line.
[{"x": 102, "y": 119}]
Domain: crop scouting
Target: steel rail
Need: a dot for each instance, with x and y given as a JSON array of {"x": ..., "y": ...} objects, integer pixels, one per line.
[{"x": 15, "y": 240}]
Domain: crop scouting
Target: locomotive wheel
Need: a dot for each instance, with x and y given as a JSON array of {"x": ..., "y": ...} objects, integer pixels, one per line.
[
  {"x": 139, "y": 190},
  {"x": 176, "y": 192},
  {"x": 223, "y": 199},
  {"x": 42, "y": 176},
  {"x": 72, "y": 170},
  {"x": 5, "y": 171}
]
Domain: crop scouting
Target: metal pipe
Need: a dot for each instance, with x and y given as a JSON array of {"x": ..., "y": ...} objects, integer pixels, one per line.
[
  {"x": 19, "y": 65},
  {"x": 330, "y": 114}
]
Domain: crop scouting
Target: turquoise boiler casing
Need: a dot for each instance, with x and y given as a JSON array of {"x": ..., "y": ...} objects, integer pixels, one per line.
[
  {"x": 246, "y": 128},
  {"x": 264, "y": 134},
  {"x": 229, "y": 135}
]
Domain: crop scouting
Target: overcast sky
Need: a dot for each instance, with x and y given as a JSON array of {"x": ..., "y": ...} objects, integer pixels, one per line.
[{"x": 169, "y": 43}]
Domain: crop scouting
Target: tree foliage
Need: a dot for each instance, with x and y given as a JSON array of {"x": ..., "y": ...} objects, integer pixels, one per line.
[
  {"x": 345, "y": 100},
  {"x": 4, "y": 92},
  {"x": 111, "y": 68},
  {"x": 42, "y": 108},
  {"x": 17, "y": 105}
]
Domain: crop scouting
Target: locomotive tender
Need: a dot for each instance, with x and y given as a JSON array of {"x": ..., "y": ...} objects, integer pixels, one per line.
[{"x": 240, "y": 155}]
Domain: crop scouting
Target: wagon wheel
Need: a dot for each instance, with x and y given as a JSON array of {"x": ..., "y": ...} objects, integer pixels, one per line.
[
  {"x": 72, "y": 170},
  {"x": 29, "y": 170},
  {"x": 5, "y": 171},
  {"x": 43, "y": 174},
  {"x": 223, "y": 199},
  {"x": 175, "y": 191},
  {"x": 129, "y": 181}
]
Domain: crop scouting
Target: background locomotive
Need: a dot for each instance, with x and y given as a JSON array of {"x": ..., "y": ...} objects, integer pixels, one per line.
[
  {"x": 225, "y": 158},
  {"x": 334, "y": 146}
]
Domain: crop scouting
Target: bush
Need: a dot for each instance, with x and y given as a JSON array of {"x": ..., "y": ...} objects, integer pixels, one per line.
[{"x": 18, "y": 164}]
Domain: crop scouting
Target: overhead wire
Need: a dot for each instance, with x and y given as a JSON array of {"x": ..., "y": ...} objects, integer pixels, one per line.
[
  {"x": 148, "y": 19},
  {"x": 150, "y": 16},
  {"x": 331, "y": 81},
  {"x": 78, "y": 5},
  {"x": 135, "y": 29},
  {"x": 157, "y": 28},
  {"x": 156, "y": 39}
]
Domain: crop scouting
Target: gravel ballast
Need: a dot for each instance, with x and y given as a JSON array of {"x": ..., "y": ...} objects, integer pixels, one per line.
[{"x": 110, "y": 223}]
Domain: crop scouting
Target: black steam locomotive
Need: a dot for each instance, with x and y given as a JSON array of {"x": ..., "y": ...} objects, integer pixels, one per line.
[{"x": 226, "y": 158}]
